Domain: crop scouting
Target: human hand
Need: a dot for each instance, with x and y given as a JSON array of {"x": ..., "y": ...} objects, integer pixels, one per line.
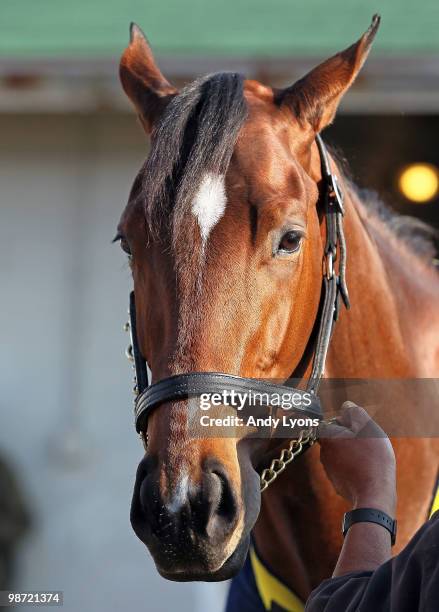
[{"x": 359, "y": 460}]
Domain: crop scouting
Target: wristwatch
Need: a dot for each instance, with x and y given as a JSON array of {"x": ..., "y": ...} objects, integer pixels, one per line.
[{"x": 369, "y": 515}]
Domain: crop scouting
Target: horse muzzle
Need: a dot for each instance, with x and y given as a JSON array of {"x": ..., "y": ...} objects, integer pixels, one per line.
[{"x": 194, "y": 531}]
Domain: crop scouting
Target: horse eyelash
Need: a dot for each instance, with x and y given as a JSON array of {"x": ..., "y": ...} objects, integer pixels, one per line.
[{"x": 118, "y": 237}]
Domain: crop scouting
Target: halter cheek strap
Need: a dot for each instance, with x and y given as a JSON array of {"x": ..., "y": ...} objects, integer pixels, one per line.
[
  {"x": 141, "y": 382},
  {"x": 183, "y": 386},
  {"x": 334, "y": 285}
]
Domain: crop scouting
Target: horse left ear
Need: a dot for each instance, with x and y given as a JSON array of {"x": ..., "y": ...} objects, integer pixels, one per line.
[
  {"x": 142, "y": 80},
  {"x": 315, "y": 98}
]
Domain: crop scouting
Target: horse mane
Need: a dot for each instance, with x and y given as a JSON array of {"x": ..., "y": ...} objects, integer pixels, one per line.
[
  {"x": 196, "y": 135},
  {"x": 410, "y": 232},
  {"x": 420, "y": 237}
]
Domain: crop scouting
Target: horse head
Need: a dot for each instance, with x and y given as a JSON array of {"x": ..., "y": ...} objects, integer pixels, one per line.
[{"x": 225, "y": 236}]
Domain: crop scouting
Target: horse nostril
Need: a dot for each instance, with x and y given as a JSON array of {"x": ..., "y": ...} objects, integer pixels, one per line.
[
  {"x": 219, "y": 502},
  {"x": 207, "y": 510},
  {"x": 227, "y": 506}
]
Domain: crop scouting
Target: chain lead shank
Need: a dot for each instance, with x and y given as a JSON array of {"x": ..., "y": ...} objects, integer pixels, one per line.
[{"x": 295, "y": 448}]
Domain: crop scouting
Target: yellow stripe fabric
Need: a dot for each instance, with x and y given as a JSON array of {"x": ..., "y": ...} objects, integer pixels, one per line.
[
  {"x": 435, "y": 504},
  {"x": 271, "y": 589}
]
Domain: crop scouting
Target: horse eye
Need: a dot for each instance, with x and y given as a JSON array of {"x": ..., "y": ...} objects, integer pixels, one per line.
[
  {"x": 290, "y": 242},
  {"x": 123, "y": 243},
  {"x": 124, "y": 246}
]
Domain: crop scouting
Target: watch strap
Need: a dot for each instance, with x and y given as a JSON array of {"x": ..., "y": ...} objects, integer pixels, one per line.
[{"x": 370, "y": 515}]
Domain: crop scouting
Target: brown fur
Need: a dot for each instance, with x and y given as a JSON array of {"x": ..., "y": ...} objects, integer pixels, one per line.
[{"x": 238, "y": 309}]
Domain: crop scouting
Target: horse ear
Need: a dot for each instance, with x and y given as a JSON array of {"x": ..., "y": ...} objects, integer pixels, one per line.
[
  {"x": 315, "y": 98},
  {"x": 142, "y": 80}
]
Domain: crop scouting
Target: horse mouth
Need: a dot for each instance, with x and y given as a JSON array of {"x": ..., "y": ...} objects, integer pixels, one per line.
[{"x": 229, "y": 568}]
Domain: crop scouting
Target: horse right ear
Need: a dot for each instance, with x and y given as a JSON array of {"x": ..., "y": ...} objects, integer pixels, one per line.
[
  {"x": 142, "y": 80},
  {"x": 314, "y": 99}
]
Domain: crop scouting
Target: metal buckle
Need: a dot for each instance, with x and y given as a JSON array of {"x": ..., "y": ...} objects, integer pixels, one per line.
[
  {"x": 329, "y": 265},
  {"x": 129, "y": 353}
]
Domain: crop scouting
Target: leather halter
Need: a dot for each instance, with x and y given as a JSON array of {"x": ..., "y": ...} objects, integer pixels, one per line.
[{"x": 183, "y": 386}]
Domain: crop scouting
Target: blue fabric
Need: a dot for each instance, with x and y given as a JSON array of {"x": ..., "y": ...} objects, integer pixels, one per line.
[{"x": 243, "y": 593}]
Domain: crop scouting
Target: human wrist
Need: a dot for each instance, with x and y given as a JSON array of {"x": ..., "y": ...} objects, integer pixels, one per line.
[
  {"x": 382, "y": 500},
  {"x": 370, "y": 517}
]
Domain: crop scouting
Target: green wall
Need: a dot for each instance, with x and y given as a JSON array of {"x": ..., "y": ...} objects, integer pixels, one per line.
[{"x": 41, "y": 28}]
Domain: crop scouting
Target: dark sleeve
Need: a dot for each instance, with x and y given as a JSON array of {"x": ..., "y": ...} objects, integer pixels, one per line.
[{"x": 408, "y": 582}]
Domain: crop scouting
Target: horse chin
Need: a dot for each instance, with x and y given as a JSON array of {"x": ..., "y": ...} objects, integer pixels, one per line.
[{"x": 230, "y": 568}]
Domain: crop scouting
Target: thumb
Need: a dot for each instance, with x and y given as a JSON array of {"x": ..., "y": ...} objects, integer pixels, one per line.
[{"x": 353, "y": 417}]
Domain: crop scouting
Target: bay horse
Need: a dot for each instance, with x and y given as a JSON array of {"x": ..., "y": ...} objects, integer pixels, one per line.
[{"x": 224, "y": 231}]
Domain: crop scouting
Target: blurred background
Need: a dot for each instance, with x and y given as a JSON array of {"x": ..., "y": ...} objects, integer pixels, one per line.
[{"x": 70, "y": 147}]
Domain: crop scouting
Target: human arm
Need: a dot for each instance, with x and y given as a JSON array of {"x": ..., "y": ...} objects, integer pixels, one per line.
[{"x": 359, "y": 461}]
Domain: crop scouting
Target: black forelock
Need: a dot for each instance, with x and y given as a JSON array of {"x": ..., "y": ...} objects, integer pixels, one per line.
[{"x": 196, "y": 135}]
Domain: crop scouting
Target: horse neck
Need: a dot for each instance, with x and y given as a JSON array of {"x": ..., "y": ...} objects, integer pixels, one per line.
[
  {"x": 395, "y": 299},
  {"x": 386, "y": 281}
]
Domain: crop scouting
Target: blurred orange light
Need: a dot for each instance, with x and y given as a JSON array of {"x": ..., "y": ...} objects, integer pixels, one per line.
[{"x": 419, "y": 182}]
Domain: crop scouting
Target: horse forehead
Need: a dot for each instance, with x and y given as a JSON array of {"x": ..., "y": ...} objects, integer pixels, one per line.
[
  {"x": 265, "y": 164},
  {"x": 263, "y": 170}
]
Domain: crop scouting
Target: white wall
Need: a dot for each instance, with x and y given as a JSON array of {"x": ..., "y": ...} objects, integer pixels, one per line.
[{"x": 66, "y": 403}]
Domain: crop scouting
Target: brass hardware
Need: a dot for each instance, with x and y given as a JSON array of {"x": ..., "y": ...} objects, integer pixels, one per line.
[
  {"x": 295, "y": 448},
  {"x": 129, "y": 353}
]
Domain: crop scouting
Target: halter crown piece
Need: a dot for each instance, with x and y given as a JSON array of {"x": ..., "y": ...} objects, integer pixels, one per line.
[{"x": 183, "y": 386}]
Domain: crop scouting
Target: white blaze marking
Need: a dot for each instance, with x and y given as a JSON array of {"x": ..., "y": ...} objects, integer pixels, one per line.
[
  {"x": 209, "y": 203},
  {"x": 179, "y": 497}
]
